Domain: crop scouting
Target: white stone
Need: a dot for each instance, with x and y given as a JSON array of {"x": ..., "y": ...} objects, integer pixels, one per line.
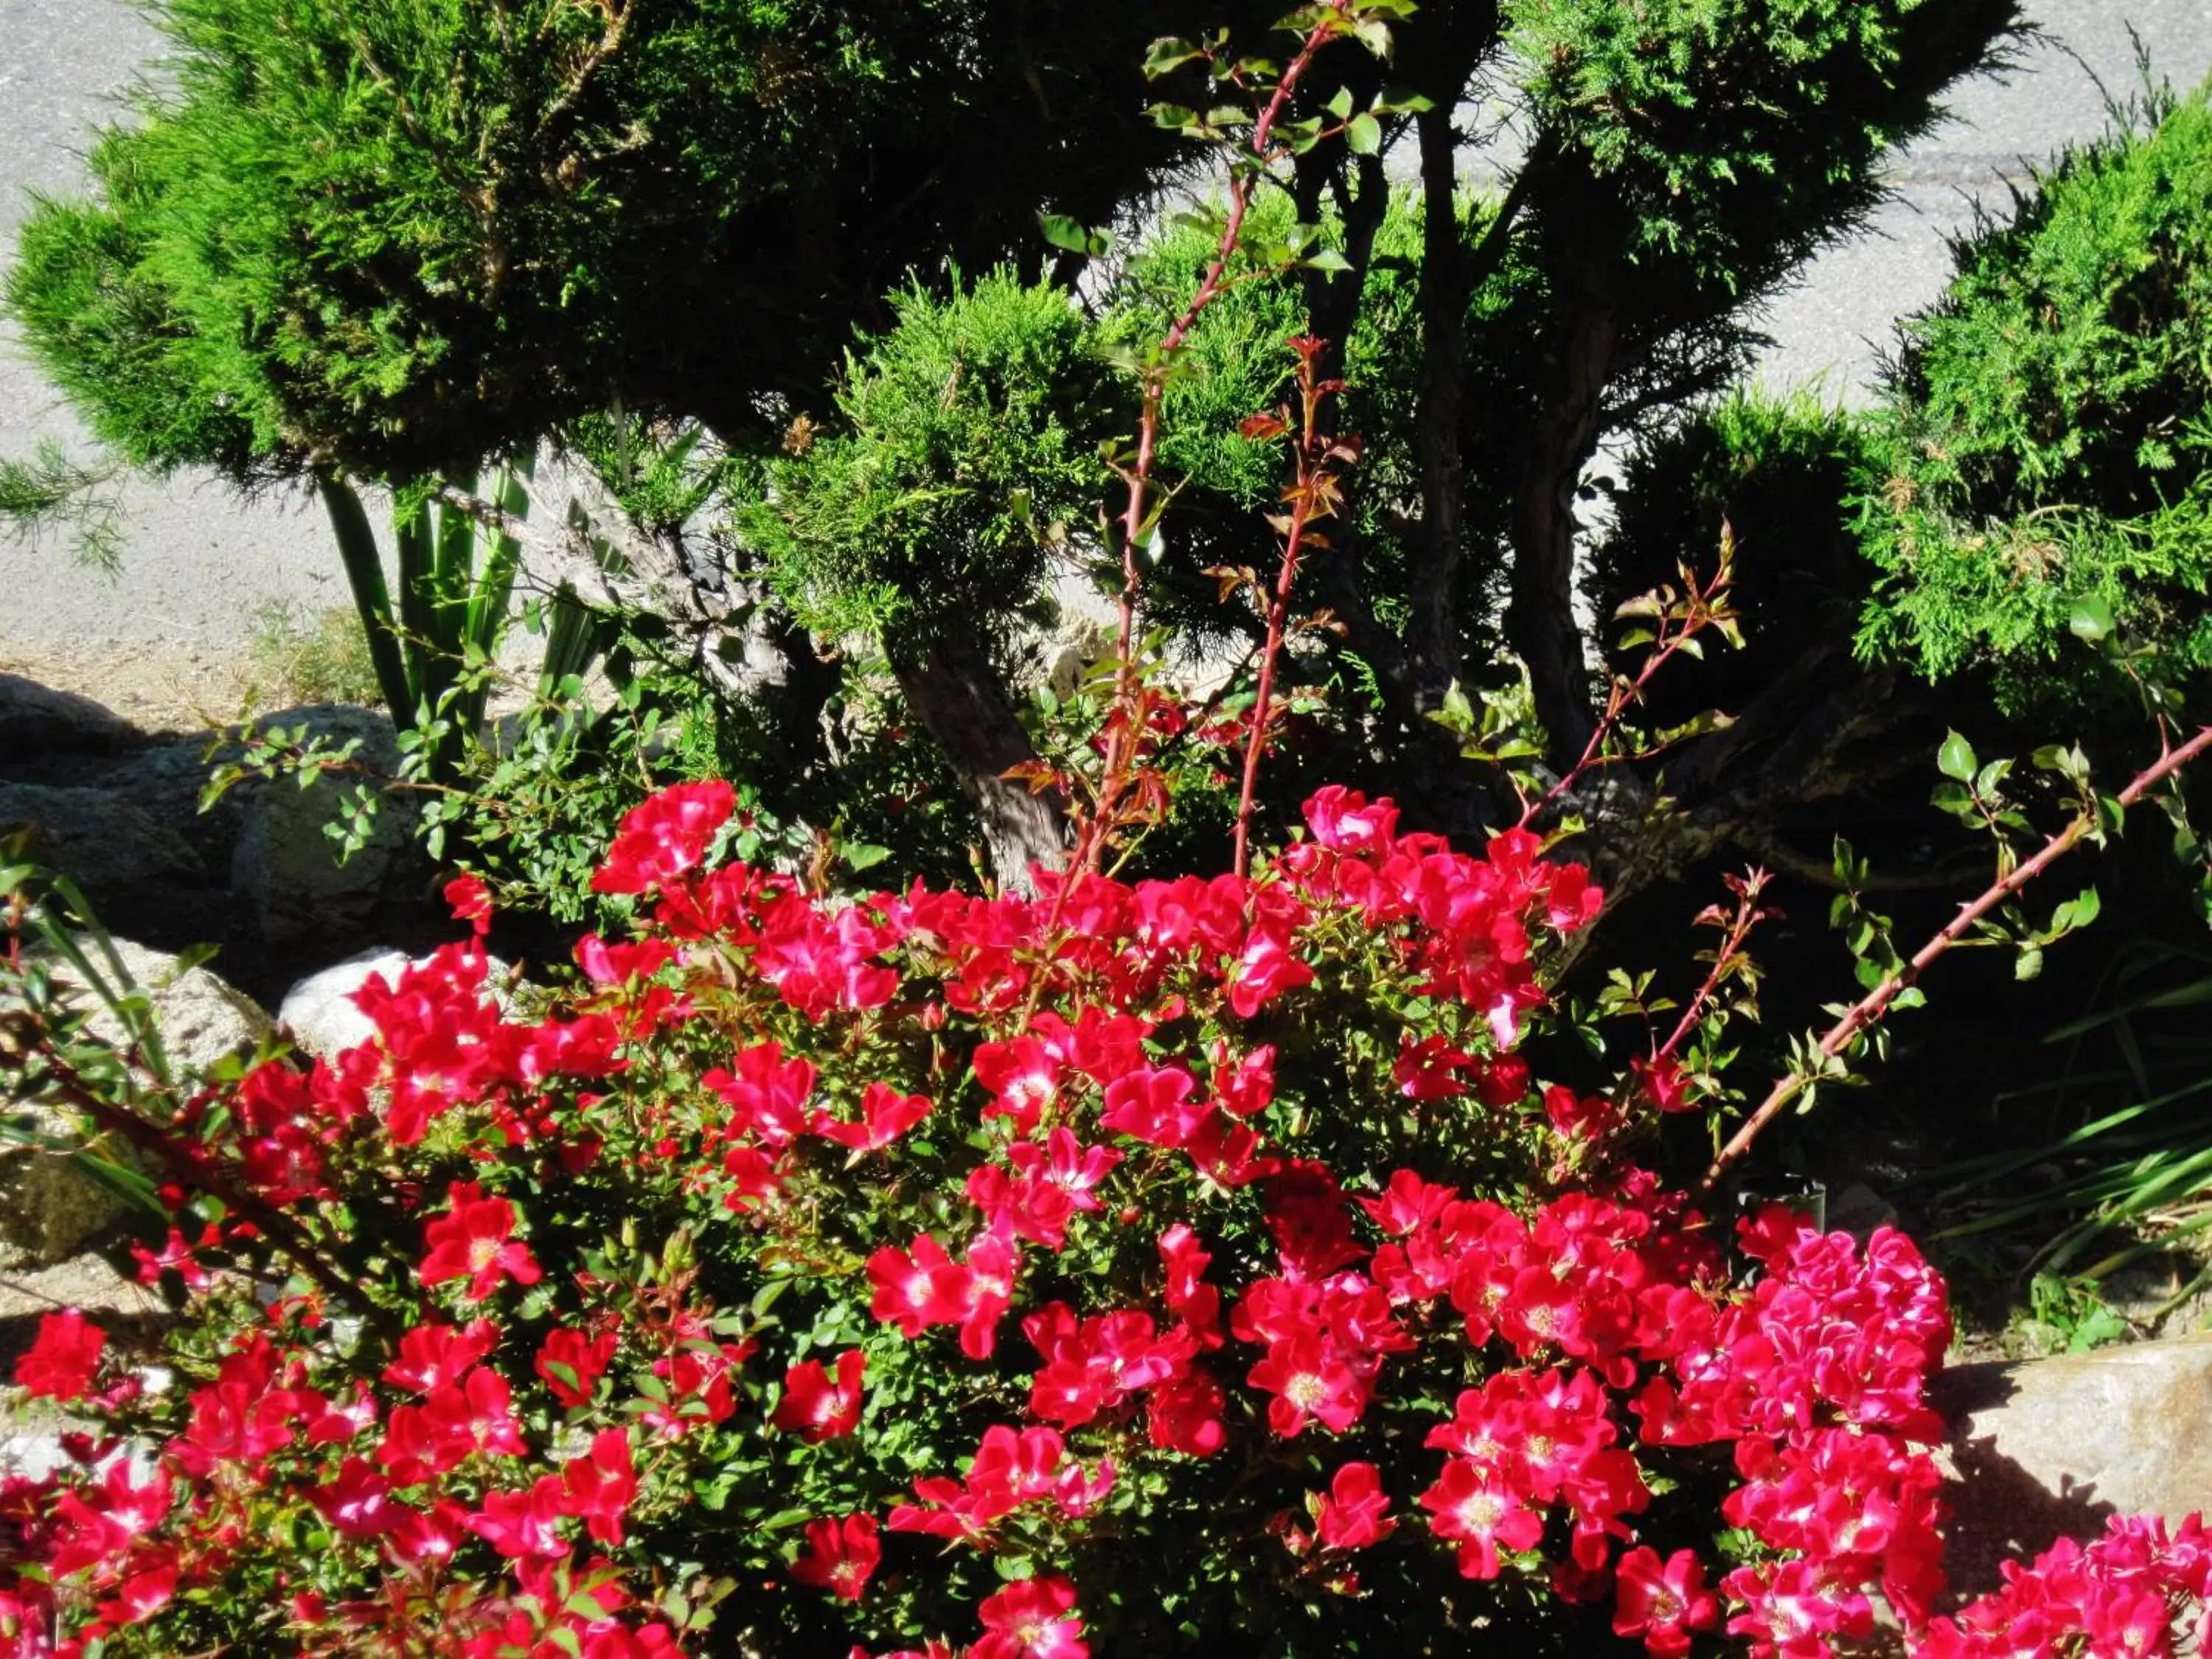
[{"x": 319, "y": 1011}]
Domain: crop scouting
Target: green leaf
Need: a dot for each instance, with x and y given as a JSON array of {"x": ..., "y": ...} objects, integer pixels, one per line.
[
  {"x": 1363, "y": 133},
  {"x": 1954, "y": 797},
  {"x": 1955, "y": 759},
  {"x": 1457, "y": 713},
  {"x": 863, "y": 855},
  {"x": 2078, "y": 912},
  {"x": 563, "y": 1373},
  {"x": 2091, "y": 620},
  {"x": 1168, "y": 54},
  {"x": 1072, "y": 235}
]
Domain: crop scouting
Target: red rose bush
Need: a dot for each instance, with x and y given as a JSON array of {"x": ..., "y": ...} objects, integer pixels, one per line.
[{"x": 1130, "y": 1268}]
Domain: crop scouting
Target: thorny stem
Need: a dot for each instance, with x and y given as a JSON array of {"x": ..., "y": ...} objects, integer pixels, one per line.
[
  {"x": 1256, "y": 739},
  {"x": 1747, "y": 916},
  {"x": 1705, "y": 605},
  {"x": 184, "y": 1164},
  {"x": 189, "y": 1168},
  {"x": 1310, "y": 498},
  {"x": 1121, "y": 734},
  {"x": 1867, "y": 1011}
]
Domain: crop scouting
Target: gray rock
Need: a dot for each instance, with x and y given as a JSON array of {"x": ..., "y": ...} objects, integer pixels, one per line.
[
  {"x": 286, "y": 877},
  {"x": 48, "y": 1210},
  {"x": 97, "y": 836},
  {"x": 166, "y": 782},
  {"x": 201, "y": 1016},
  {"x": 1859, "y": 1210},
  {"x": 2042, "y": 1448},
  {"x": 129, "y": 830},
  {"x": 84, "y": 1282},
  {"x": 257, "y": 865},
  {"x": 37, "y": 721}
]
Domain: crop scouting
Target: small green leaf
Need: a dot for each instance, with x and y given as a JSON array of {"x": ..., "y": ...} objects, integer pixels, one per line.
[
  {"x": 2091, "y": 620},
  {"x": 1955, "y": 759},
  {"x": 2078, "y": 912},
  {"x": 563, "y": 1373},
  {"x": 1363, "y": 133},
  {"x": 1954, "y": 797},
  {"x": 1072, "y": 235},
  {"x": 1168, "y": 54},
  {"x": 862, "y": 855}
]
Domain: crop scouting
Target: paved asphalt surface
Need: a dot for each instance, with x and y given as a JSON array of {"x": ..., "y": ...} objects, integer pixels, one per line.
[{"x": 198, "y": 562}]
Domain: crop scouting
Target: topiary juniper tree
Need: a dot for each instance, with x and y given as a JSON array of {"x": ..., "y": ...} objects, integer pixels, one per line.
[
  {"x": 392, "y": 240},
  {"x": 2047, "y": 461}
]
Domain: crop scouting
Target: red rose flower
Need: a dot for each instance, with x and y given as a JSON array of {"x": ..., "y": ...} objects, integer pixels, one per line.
[
  {"x": 840, "y": 1557},
  {"x": 817, "y": 1407},
  {"x": 1472, "y": 1506},
  {"x": 60, "y": 1363},
  {"x": 663, "y": 837},
  {"x": 599, "y": 1486},
  {"x": 474, "y": 1240},
  {"x": 571, "y": 1363},
  {"x": 1663, "y": 1603},
  {"x": 1352, "y": 1515},
  {"x": 1034, "y": 1618},
  {"x": 470, "y": 900}
]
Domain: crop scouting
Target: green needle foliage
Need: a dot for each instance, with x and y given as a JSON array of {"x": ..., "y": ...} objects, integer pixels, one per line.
[
  {"x": 406, "y": 235},
  {"x": 51, "y": 494},
  {"x": 2050, "y": 433},
  {"x": 966, "y": 441}
]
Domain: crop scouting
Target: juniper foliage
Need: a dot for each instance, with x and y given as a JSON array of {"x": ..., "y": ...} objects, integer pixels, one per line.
[{"x": 2050, "y": 426}]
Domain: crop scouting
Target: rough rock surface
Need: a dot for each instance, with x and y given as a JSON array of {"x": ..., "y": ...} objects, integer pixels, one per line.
[
  {"x": 37, "y": 720},
  {"x": 255, "y": 872},
  {"x": 48, "y": 1210},
  {"x": 86, "y": 1282},
  {"x": 118, "y": 852},
  {"x": 2046, "y": 1447},
  {"x": 285, "y": 875}
]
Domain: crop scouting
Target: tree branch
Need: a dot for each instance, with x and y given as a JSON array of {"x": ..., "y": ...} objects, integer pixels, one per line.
[{"x": 1869, "y": 1009}]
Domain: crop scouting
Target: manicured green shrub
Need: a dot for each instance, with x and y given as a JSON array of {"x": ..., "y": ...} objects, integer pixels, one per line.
[{"x": 2049, "y": 436}]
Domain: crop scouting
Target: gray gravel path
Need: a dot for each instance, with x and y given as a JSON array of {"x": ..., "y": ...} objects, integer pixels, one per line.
[
  {"x": 198, "y": 562},
  {"x": 1829, "y": 330}
]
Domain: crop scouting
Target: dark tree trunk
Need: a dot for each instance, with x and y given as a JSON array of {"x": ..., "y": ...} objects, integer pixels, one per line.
[
  {"x": 799, "y": 691},
  {"x": 1541, "y": 618},
  {"x": 954, "y": 692},
  {"x": 1432, "y": 655}
]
